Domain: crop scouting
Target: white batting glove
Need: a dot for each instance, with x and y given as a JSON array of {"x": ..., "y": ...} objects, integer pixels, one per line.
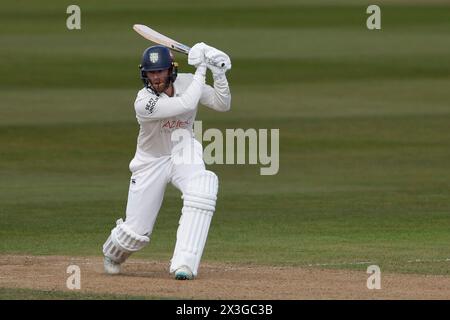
[
  {"x": 196, "y": 55},
  {"x": 218, "y": 62}
]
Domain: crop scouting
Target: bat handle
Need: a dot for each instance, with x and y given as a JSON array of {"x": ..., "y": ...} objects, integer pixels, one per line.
[{"x": 221, "y": 65}]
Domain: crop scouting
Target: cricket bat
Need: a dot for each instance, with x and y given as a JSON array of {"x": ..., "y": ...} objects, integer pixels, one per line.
[{"x": 161, "y": 39}]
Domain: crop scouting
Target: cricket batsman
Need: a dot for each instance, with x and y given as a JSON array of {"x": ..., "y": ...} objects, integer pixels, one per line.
[{"x": 168, "y": 102}]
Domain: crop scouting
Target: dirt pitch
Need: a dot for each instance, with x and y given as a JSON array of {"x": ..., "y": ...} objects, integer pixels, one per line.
[{"x": 216, "y": 281}]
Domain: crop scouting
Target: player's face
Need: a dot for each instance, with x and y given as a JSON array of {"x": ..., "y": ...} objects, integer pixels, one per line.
[{"x": 158, "y": 79}]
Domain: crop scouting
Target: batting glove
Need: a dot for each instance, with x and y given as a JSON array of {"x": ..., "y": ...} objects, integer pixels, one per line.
[
  {"x": 196, "y": 55},
  {"x": 218, "y": 62}
]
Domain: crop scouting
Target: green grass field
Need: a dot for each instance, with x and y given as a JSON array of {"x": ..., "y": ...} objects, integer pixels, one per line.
[
  {"x": 364, "y": 119},
  {"x": 29, "y": 294}
]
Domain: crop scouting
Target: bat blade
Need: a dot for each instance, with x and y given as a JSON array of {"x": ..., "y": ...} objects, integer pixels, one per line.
[
  {"x": 156, "y": 37},
  {"x": 159, "y": 38}
]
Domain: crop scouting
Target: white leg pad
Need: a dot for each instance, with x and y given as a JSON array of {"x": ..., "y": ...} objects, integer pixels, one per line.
[
  {"x": 198, "y": 208},
  {"x": 123, "y": 242}
]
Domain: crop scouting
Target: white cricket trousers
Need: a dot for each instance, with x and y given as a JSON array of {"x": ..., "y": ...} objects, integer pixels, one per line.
[{"x": 148, "y": 184}]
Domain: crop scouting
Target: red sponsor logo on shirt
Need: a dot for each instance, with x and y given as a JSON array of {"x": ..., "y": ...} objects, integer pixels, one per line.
[{"x": 175, "y": 124}]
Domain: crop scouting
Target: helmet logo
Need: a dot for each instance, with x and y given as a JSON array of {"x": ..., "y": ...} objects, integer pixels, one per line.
[{"x": 154, "y": 57}]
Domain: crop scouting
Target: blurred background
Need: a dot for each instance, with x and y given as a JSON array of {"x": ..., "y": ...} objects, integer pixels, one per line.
[{"x": 364, "y": 119}]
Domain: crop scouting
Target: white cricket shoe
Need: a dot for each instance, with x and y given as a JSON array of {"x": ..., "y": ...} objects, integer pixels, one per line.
[
  {"x": 183, "y": 273},
  {"x": 110, "y": 266}
]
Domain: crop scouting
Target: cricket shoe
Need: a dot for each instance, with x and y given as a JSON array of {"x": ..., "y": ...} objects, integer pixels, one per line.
[
  {"x": 183, "y": 273},
  {"x": 110, "y": 266}
]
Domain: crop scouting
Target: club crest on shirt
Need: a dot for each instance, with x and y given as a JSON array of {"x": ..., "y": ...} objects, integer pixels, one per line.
[{"x": 150, "y": 106}]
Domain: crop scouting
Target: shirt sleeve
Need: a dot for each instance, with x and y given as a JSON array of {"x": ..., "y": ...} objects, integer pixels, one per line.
[
  {"x": 149, "y": 106},
  {"x": 217, "y": 98}
]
